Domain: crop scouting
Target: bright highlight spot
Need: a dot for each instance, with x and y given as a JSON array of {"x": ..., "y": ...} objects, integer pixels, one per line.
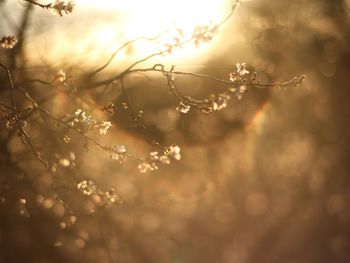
[{"x": 115, "y": 22}]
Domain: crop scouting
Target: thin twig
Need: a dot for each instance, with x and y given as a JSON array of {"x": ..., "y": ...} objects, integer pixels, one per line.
[
  {"x": 121, "y": 48},
  {"x": 47, "y": 6},
  {"x": 12, "y": 87}
]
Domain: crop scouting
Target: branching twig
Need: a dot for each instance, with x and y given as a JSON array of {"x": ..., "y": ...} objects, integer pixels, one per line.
[
  {"x": 47, "y": 6},
  {"x": 9, "y": 78},
  {"x": 121, "y": 48}
]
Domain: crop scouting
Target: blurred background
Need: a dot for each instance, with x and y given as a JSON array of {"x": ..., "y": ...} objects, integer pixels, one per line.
[{"x": 265, "y": 180}]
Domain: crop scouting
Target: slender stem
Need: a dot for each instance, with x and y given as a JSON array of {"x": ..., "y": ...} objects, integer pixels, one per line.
[
  {"x": 12, "y": 87},
  {"x": 121, "y": 48},
  {"x": 47, "y": 6}
]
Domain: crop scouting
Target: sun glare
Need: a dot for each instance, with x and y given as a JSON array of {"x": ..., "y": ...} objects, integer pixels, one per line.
[
  {"x": 139, "y": 18},
  {"x": 155, "y": 15}
]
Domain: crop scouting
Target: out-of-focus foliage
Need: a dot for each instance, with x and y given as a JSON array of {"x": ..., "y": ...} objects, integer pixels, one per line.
[{"x": 264, "y": 180}]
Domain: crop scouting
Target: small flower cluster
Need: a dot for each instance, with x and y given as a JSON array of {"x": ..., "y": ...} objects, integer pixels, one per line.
[
  {"x": 240, "y": 77},
  {"x": 66, "y": 139},
  {"x": 8, "y": 42},
  {"x": 176, "y": 41},
  {"x": 65, "y": 81},
  {"x": 118, "y": 153},
  {"x": 151, "y": 164},
  {"x": 239, "y": 72},
  {"x": 213, "y": 103},
  {"x": 85, "y": 123},
  {"x": 111, "y": 109},
  {"x": 60, "y": 77},
  {"x": 239, "y": 91},
  {"x": 220, "y": 102},
  {"x": 183, "y": 108},
  {"x": 112, "y": 197},
  {"x": 62, "y": 7},
  {"x": 202, "y": 34},
  {"x": 104, "y": 126},
  {"x": 89, "y": 187}
]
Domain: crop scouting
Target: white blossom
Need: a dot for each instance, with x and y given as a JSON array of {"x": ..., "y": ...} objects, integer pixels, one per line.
[
  {"x": 145, "y": 167},
  {"x": 88, "y": 187},
  {"x": 183, "y": 108},
  {"x": 61, "y": 7},
  {"x": 174, "y": 151},
  {"x": 154, "y": 156},
  {"x": 104, "y": 126},
  {"x": 241, "y": 69},
  {"x": 239, "y": 72},
  {"x": 60, "y": 76},
  {"x": 120, "y": 149},
  {"x": 118, "y": 153},
  {"x": 164, "y": 159}
]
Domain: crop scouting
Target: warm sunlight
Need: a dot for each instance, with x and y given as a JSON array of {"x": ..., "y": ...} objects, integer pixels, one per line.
[
  {"x": 154, "y": 16},
  {"x": 150, "y": 18},
  {"x": 126, "y": 20},
  {"x": 174, "y": 131}
]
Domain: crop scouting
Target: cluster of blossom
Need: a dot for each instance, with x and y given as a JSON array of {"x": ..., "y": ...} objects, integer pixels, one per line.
[
  {"x": 202, "y": 34},
  {"x": 239, "y": 72},
  {"x": 89, "y": 187},
  {"x": 176, "y": 41},
  {"x": 84, "y": 123},
  {"x": 61, "y": 7},
  {"x": 66, "y": 139},
  {"x": 112, "y": 197},
  {"x": 220, "y": 101},
  {"x": 111, "y": 109},
  {"x": 239, "y": 91},
  {"x": 66, "y": 81},
  {"x": 239, "y": 76},
  {"x": 151, "y": 164},
  {"x": 213, "y": 103},
  {"x": 183, "y": 108},
  {"x": 60, "y": 77},
  {"x": 118, "y": 153},
  {"x": 8, "y": 42},
  {"x": 104, "y": 126}
]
